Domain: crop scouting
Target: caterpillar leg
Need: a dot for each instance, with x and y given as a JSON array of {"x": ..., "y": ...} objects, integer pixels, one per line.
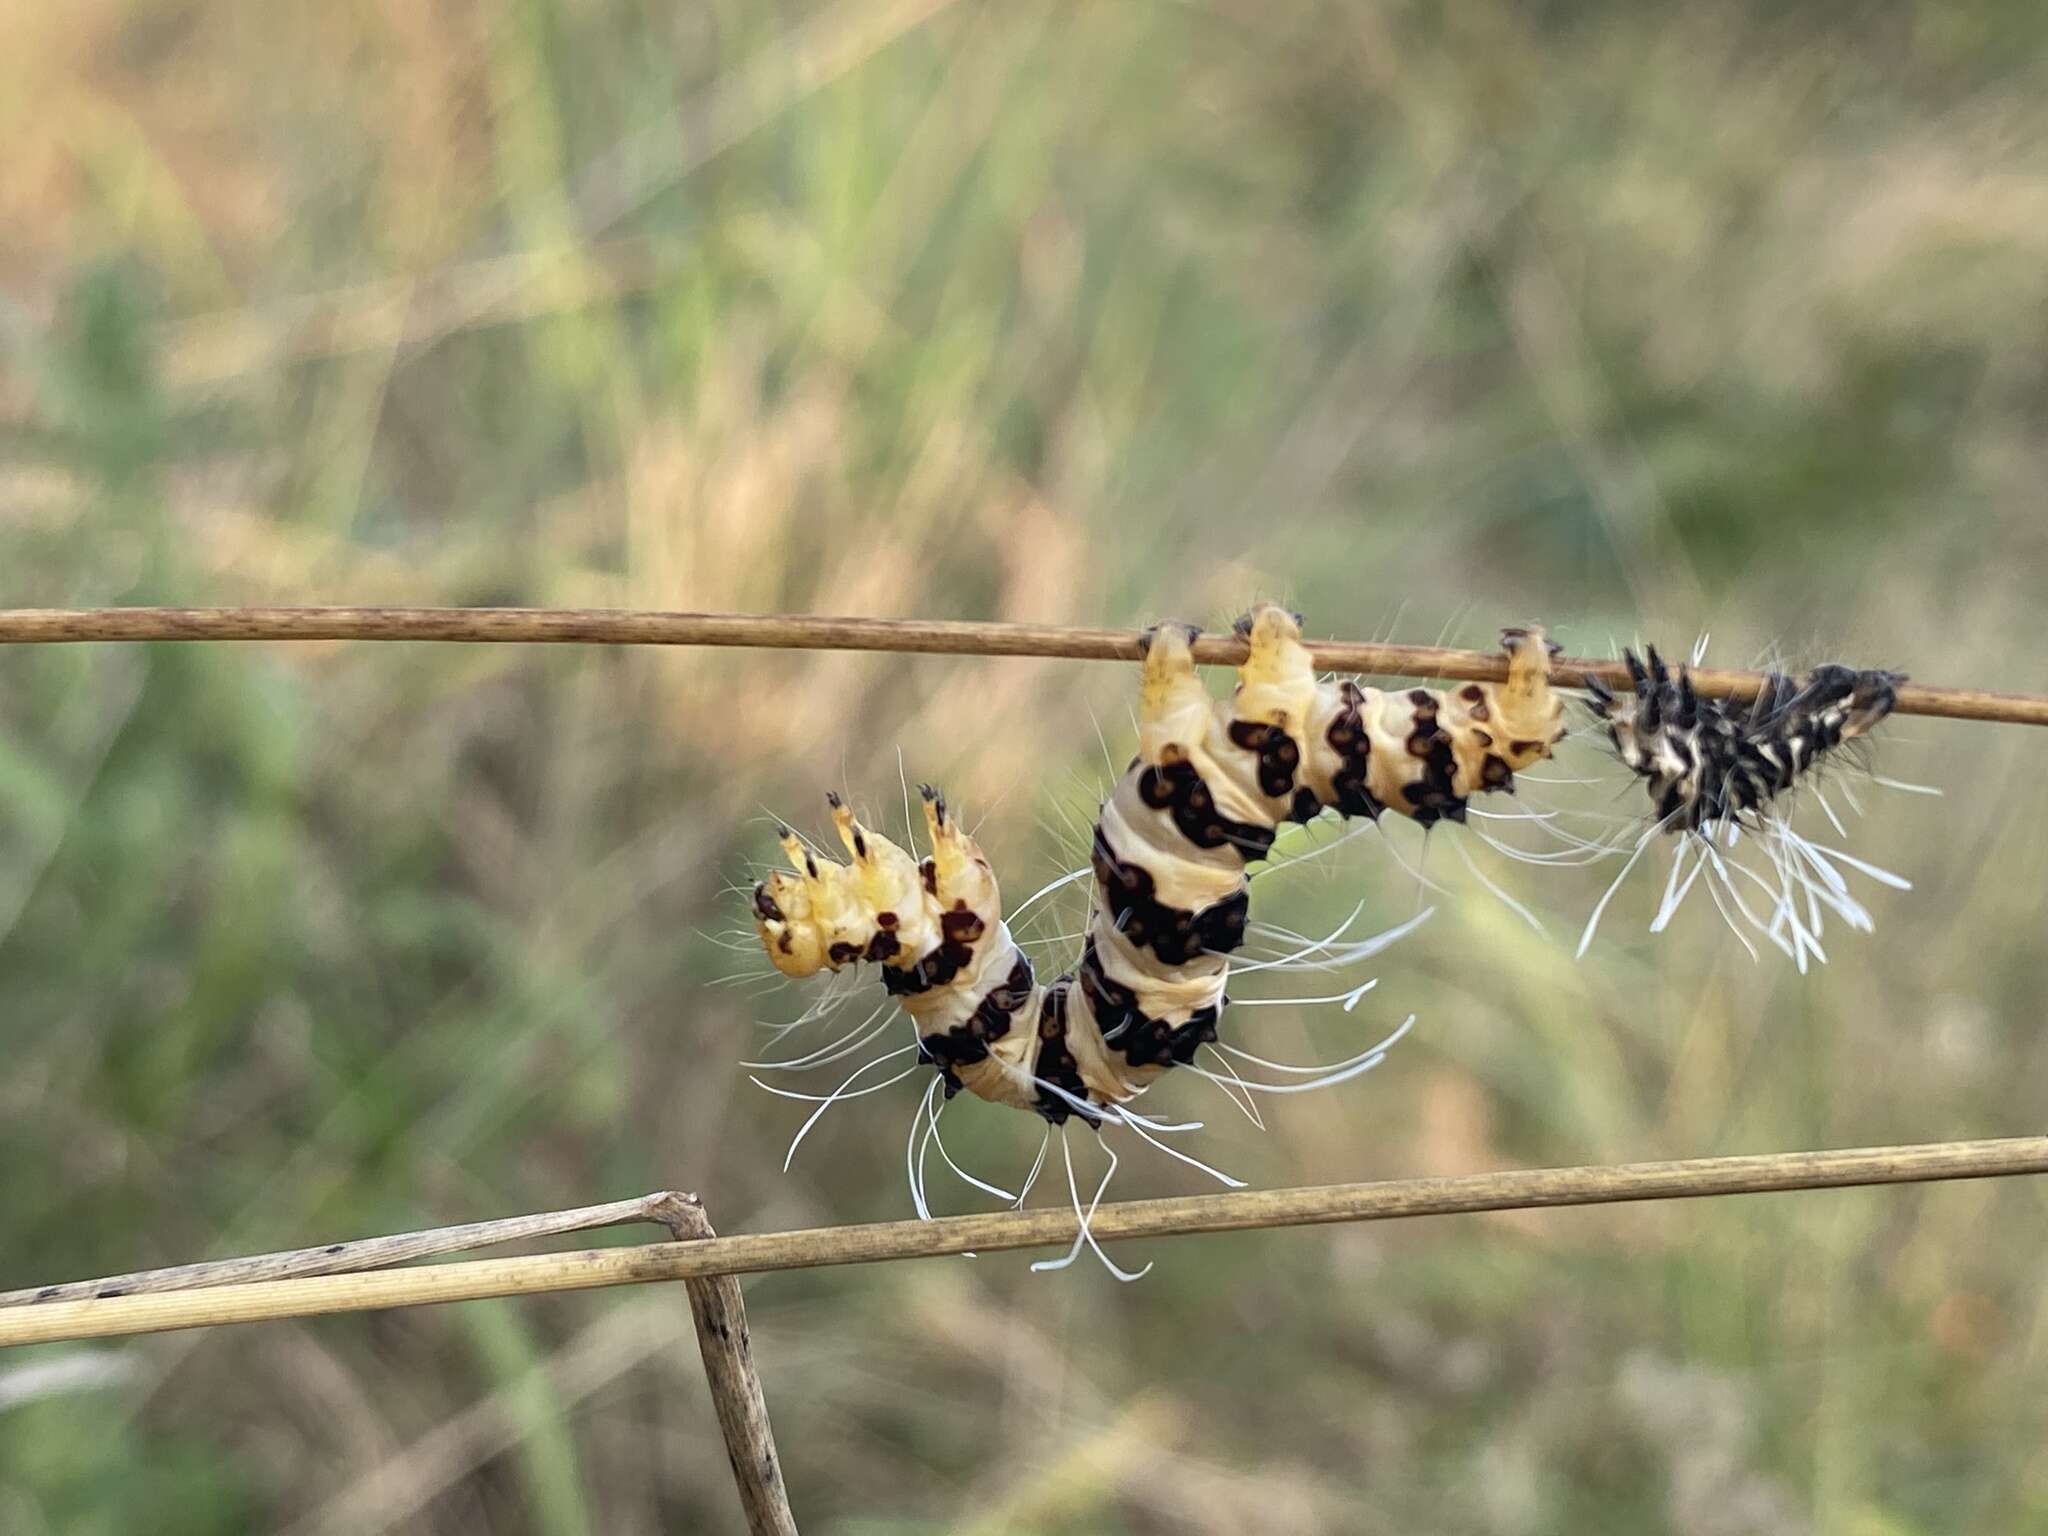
[{"x": 1529, "y": 711}]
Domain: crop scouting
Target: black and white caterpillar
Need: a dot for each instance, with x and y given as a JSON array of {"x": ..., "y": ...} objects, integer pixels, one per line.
[
  {"x": 1212, "y": 781},
  {"x": 1716, "y": 770}
]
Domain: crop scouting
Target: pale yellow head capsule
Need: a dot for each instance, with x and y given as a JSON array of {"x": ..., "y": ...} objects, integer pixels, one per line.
[
  {"x": 785, "y": 911},
  {"x": 882, "y": 906}
]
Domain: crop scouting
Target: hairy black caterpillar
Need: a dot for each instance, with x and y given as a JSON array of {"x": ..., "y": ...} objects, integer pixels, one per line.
[
  {"x": 1212, "y": 781},
  {"x": 1716, "y": 769},
  {"x": 1706, "y": 761}
]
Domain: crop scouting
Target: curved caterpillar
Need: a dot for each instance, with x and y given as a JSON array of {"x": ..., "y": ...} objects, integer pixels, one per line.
[
  {"x": 1714, "y": 769},
  {"x": 1211, "y": 783}
]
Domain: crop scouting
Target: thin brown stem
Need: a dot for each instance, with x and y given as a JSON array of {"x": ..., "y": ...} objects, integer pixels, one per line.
[
  {"x": 727, "y": 1347},
  {"x": 618, "y": 626},
  {"x": 359, "y": 1254},
  {"x": 1526, "y": 1189}
]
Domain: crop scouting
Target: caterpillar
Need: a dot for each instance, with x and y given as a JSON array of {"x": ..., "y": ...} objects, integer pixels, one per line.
[
  {"x": 1715, "y": 769},
  {"x": 1211, "y": 782}
]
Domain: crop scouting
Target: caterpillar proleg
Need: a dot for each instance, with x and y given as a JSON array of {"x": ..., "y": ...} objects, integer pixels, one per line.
[
  {"x": 1716, "y": 770},
  {"x": 1210, "y": 784}
]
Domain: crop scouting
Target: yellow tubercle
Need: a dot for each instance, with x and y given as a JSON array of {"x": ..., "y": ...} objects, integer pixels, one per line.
[
  {"x": 962, "y": 877},
  {"x": 1174, "y": 709},
  {"x": 887, "y": 878},
  {"x": 1528, "y": 708},
  {"x": 1276, "y": 685}
]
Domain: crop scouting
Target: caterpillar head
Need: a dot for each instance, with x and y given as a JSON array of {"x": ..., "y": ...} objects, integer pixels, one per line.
[
  {"x": 823, "y": 914},
  {"x": 795, "y": 910},
  {"x": 882, "y": 906},
  {"x": 1862, "y": 699},
  {"x": 783, "y": 917}
]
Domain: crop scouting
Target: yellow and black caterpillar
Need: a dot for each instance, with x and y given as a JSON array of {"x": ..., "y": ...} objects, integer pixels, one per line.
[{"x": 1211, "y": 782}]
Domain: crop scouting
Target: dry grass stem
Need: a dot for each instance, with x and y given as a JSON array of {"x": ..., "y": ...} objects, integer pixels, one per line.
[
  {"x": 616, "y": 626},
  {"x": 736, "y": 1396},
  {"x": 361, "y": 1254},
  {"x": 815, "y": 1248}
]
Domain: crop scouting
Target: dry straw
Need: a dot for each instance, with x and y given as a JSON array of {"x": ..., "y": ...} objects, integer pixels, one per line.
[
  {"x": 240, "y": 1301},
  {"x": 622, "y": 626}
]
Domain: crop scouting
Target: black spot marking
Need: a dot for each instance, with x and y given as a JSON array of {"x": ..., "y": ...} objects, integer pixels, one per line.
[
  {"x": 1056, "y": 1062},
  {"x": 1347, "y": 737},
  {"x": 1142, "y": 1041},
  {"x": 960, "y": 930},
  {"x": 1278, "y": 756},
  {"x": 1174, "y": 935},
  {"x": 1178, "y": 788},
  {"x": 991, "y": 1020},
  {"x": 1434, "y": 797}
]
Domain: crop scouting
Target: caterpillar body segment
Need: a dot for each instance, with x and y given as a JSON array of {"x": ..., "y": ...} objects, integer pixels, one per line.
[{"x": 1426, "y": 752}]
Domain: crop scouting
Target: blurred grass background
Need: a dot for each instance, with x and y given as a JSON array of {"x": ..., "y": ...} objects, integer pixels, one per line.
[{"x": 1634, "y": 319}]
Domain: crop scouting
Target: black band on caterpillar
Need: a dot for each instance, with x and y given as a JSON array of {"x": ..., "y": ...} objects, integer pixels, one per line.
[
  {"x": 1176, "y": 937},
  {"x": 1212, "y": 781}
]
